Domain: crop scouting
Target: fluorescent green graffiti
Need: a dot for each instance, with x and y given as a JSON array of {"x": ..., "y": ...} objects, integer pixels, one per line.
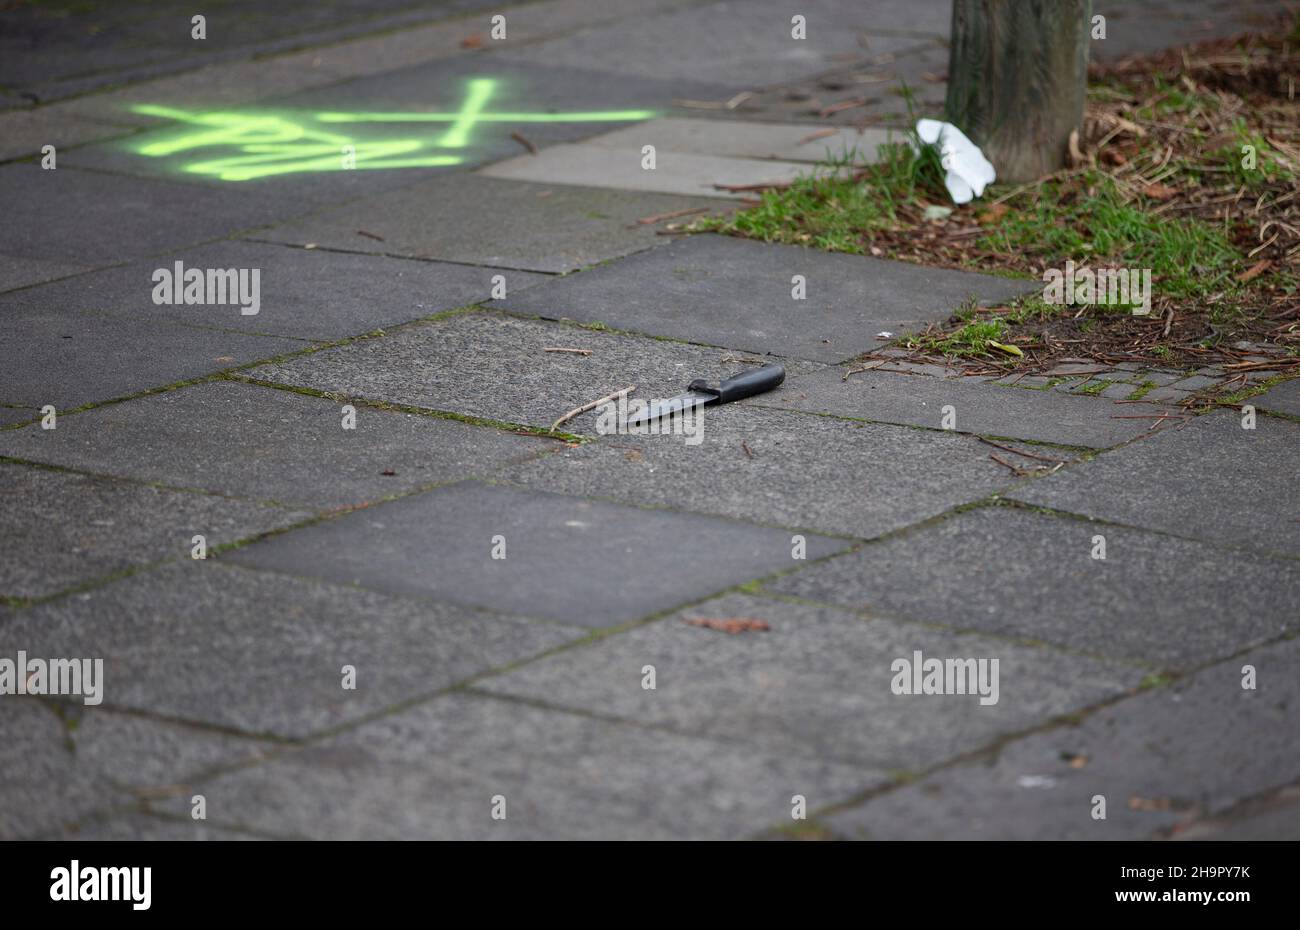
[{"x": 268, "y": 144}]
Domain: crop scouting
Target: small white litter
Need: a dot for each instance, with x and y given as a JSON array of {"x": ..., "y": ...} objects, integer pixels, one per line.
[
  {"x": 968, "y": 171},
  {"x": 1036, "y": 781}
]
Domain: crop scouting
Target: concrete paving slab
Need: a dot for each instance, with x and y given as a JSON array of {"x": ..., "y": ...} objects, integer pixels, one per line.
[
  {"x": 1161, "y": 759},
  {"x": 59, "y": 529},
  {"x": 137, "y": 826},
  {"x": 739, "y": 139},
  {"x": 433, "y": 771},
  {"x": 1169, "y": 602},
  {"x": 985, "y": 409},
  {"x": 737, "y": 293},
  {"x": 817, "y": 684},
  {"x": 54, "y": 50},
  {"x": 1210, "y": 480},
  {"x": 68, "y": 358},
  {"x": 585, "y": 562},
  {"x": 779, "y": 468},
  {"x": 550, "y": 102},
  {"x": 1152, "y": 25},
  {"x": 301, "y": 293},
  {"x": 738, "y": 45},
  {"x": 1280, "y": 398},
  {"x": 1273, "y": 818},
  {"x": 861, "y": 93},
  {"x": 477, "y": 101},
  {"x": 87, "y": 219},
  {"x": 10, "y": 415},
  {"x": 63, "y": 765},
  {"x": 495, "y": 366},
  {"x": 674, "y": 172},
  {"x": 459, "y": 218},
  {"x": 18, "y": 272},
  {"x": 211, "y": 87},
  {"x": 27, "y": 132},
  {"x": 264, "y": 654},
  {"x": 272, "y": 445}
]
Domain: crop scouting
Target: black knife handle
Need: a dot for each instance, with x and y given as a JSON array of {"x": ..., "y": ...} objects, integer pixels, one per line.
[{"x": 745, "y": 384}]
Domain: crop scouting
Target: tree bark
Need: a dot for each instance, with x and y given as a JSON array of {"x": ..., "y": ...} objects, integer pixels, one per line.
[{"x": 1017, "y": 75}]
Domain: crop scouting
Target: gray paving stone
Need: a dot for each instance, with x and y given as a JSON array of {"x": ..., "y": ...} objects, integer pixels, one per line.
[
  {"x": 1280, "y": 398},
  {"x": 736, "y": 293},
  {"x": 1165, "y": 395},
  {"x": 990, "y": 410},
  {"x": 136, "y": 826},
  {"x": 1195, "y": 383},
  {"x": 303, "y": 293},
  {"x": 459, "y": 218},
  {"x": 783, "y": 468},
  {"x": 739, "y": 45},
  {"x": 261, "y": 653},
  {"x": 55, "y": 51},
  {"x": 523, "y": 87},
  {"x": 59, "y": 529},
  {"x": 1275, "y": 819},
  {"x": 493, "y": 365},
  {"x": 865, "y": 92},
  {"x": 439, "y": 86},
  {"x": 22, "y": 272},
  {"x": 1169, "y": 602},
  {"x": 1151, "y": 25},
  {"x": 63, "y": 765},
  {"x": 432, "y": 771},
  {"x": 91, "y": 219},
  {"x": 256, "y": 442},
  {"x": 27, "y": 132},
  {"x": 1161, "y": 759},
  {"x": 1211, "y": 480},
  {"x": 586, "y": 562},
  {"x": 9, "y": 415},
  {"x": 816, "y": 685},
  {"x": 674, "y": 172},
  {"x": 740, "y": 139},
  {"x": 54, "y": 355}
]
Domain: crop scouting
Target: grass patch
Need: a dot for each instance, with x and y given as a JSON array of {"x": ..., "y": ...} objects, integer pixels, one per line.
[{"x": 1191, "y": 170}]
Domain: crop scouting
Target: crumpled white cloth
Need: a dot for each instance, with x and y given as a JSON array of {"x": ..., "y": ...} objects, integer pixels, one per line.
[{"x": 968, "y": 171}]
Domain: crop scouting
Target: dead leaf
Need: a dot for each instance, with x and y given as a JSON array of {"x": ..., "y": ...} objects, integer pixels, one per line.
[
  {"x": 994, "y": 213},
  {"x": 732, "y": 625},
  {"x": 1255, "y": 270},
  {"x": 1148, "y": 804},
  {"x": 1160, "y": 191},
  {"x": 472, "y": 41}
]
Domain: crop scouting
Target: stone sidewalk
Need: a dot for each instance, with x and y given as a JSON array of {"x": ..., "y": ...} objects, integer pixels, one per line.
[{"x": 423, "y": 613}]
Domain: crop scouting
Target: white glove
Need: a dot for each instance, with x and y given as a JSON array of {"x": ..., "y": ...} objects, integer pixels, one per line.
[{"x": 968, "y": 171}]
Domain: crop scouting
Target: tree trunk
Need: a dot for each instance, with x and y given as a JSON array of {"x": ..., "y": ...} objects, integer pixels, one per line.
[{"x": 1017, "y": 75}]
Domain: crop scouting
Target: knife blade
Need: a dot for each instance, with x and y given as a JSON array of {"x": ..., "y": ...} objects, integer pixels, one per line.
[{"x": 746, "y": 384}]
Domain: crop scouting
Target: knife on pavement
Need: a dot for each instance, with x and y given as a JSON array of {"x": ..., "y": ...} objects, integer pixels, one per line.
[{"x": 700, "y": 391}]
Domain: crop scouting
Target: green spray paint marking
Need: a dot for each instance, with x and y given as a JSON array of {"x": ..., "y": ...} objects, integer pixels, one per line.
[{"x": 285, "y": 143}]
